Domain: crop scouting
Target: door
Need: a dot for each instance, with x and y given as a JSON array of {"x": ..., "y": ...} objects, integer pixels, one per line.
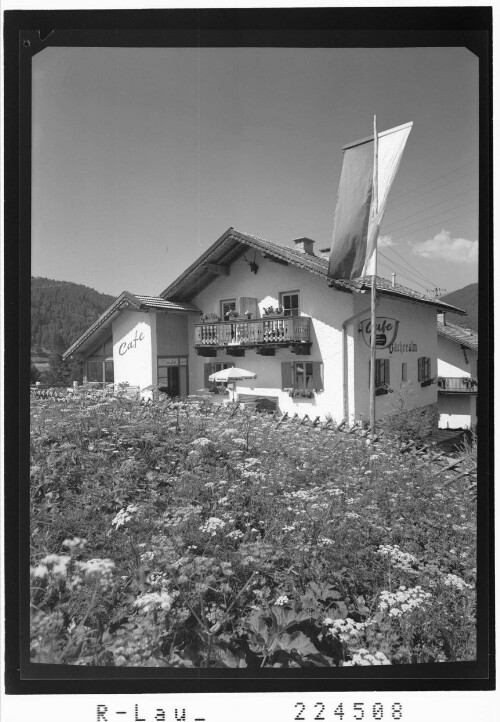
[{"x": 173, "y": 381}]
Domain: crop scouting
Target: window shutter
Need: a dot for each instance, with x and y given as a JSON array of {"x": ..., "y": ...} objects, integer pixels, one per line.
[
  {"x": 286, "y": 375},
  {"x": 387, "y": 379},
  {"x": 427, "y": 368},
  {"x": 420, "y": 369},
  {"x": 208, "y": 369},
  {"x": 317, "y": 376}
]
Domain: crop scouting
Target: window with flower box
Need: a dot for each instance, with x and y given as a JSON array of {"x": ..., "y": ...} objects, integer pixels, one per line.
[{"x": 302, "y": 376}]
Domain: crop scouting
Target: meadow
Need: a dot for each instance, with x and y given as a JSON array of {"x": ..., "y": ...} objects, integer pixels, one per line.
[{"x": 165, "y": 535}]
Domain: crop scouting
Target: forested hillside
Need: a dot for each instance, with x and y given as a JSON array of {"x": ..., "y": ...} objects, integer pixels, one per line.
[
  {"x": 465, "y": 298},
  {"x": 61, "y": 311}
]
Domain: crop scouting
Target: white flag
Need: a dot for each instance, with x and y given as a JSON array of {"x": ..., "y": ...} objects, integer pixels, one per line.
[{"x": 391, "y": 144}]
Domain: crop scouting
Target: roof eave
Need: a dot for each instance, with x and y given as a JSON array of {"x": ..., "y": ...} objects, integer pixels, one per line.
[{"x": 124, "y": 299}]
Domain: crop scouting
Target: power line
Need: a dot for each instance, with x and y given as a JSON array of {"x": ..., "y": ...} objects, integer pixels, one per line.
[
  {"x": 404, "y": 275},
  {"x": 431, "y": 190},
  {"x": 426, "y": 208},
  {"x": 403, "y": 271},
  {"x": 445, "y": 175},
  {"x": 411, "y": 267},
  {"x": 392, "y": 228}
]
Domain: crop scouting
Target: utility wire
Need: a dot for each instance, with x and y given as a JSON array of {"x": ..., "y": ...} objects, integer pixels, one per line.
[
  {"x": 404, "y": 275},
  {"x": 403, "y": 271},
  {"x": 391, "y": 228},
  {"x": 408, "y": 263},
  {"x": 445, "y": 175},
  {"x": 431, "y": 190},
  {"x": 427, "y": 208}
]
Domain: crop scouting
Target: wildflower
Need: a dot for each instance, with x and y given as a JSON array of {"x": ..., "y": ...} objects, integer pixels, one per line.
[
  {"x": 74, "y": 543},
  {"x": 202, "y": 441},
  {"x": 452, "y": 580},
  {"x": 124, "y": 515},
  {"x": 281, "y": 601},
  {"x": 364, "y": 658},
  {"x": 154, "y": 601},
  {"x": 212, "y": 526}
]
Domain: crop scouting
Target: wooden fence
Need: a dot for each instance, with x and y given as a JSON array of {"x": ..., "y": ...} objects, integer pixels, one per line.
[{"x": 438, "y": 462}]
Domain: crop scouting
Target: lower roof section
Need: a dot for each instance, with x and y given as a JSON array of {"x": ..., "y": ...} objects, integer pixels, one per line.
[{"x": 100, "y": 330}]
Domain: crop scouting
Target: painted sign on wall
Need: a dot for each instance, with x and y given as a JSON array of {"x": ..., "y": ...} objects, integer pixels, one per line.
[
  {"x": 127, "y": 345},
  {"x": 386, "y": 330}
]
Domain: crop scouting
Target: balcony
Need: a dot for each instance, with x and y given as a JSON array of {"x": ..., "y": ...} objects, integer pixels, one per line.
[
  {"x": 264, "y": 335},
  {"x": 457, "y": 385}
]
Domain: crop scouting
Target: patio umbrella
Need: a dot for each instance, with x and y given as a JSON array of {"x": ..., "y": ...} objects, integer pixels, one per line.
[{"x": 233, "y": 374}]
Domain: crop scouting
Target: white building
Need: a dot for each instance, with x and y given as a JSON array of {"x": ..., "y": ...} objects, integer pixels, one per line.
[
  {"x": 311, "y": 358},
  {"x": 457, "y": 375}
]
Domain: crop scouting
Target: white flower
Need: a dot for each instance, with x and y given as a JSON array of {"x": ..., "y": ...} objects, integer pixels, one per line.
[
  {"x": 154, "y": 601},
  {"x": 212, "y": 526},
  {"x": 202, "y": 441},
  {"x": 281, "y": 601}
]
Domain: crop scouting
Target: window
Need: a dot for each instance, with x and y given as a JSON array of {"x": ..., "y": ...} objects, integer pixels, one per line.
[
  {"x": 99, "y": 367},
  {"x": 290, "y": 302},
  {"x": 404, "y": 371},
  {"x": 226, "y": 306},
  {"x": 424, "y": 369},
  {"x": 210, "y": 369},
  {"x": 302, "y": 375},
  {"x": 382, "y": 375}
]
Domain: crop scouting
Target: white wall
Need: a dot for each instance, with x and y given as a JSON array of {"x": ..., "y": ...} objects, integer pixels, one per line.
[
  {"x": 451, "y": 359},
  {"x": 417, "y": 328},
  {"x": 135, "y": 365},
  {"x": 457, "y": 411}
]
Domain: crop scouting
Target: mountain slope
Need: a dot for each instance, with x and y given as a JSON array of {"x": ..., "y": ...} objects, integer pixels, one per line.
[
  {"x": 465, "y": 298},
  {"x": 61, "y": 311}
]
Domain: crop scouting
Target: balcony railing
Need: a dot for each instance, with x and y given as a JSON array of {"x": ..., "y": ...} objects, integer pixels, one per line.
[
  {"x": 457, "y": 385},
  {"x": 288, "y": 330}
]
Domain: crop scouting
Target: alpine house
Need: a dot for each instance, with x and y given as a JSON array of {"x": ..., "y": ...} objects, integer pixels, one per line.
[{"x": 275, "y": 311}]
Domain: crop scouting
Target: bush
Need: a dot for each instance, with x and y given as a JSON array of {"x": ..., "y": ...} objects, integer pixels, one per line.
[{"x": 405, "y": 422}]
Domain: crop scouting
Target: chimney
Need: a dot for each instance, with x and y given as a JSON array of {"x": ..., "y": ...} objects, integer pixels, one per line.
[
  {"x": 325, "y": 253},
  {"x": 304, "y": 245}
]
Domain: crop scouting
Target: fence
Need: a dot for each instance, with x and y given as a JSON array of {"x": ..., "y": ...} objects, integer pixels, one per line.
[{"x": 427, "y": 455}]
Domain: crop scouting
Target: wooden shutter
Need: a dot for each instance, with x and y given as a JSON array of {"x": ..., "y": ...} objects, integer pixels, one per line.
[
  {"x": 207, "y": 370},
  {"x": 427, "y": 368},
  {"x": 317, "y": 376},
  {"x": 420, "y": 364},
  {"x": 286, "y": 375},
  {"x": 387, "y": 379}
]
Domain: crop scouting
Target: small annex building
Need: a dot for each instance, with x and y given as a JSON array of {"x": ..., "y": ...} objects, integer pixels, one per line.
[
  {"x": 457, "y": 375},
  {"x": 270, "y": 309}
]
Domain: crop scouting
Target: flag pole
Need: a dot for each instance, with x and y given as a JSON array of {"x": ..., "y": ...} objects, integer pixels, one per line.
[{"x": 373, "y": 339}]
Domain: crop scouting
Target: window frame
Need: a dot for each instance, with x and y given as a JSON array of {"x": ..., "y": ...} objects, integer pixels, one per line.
[
  {"x": 424, "y": 370},
  {"x": 404, "y": 371},
  {"x": 281, "y": 297},
  {"x": 100, "y": 357},
  {"x": 227, "y": 301}
]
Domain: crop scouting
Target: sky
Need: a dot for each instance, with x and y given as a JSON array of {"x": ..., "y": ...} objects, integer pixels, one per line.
[{"x": 143, "y": 157}]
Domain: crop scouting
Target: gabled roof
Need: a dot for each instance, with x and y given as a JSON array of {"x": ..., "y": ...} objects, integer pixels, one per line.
[
  {"x": 458, "y": 334},
  {"x": 100, "y": 330},
  {"x": 233, "y": 244}
]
